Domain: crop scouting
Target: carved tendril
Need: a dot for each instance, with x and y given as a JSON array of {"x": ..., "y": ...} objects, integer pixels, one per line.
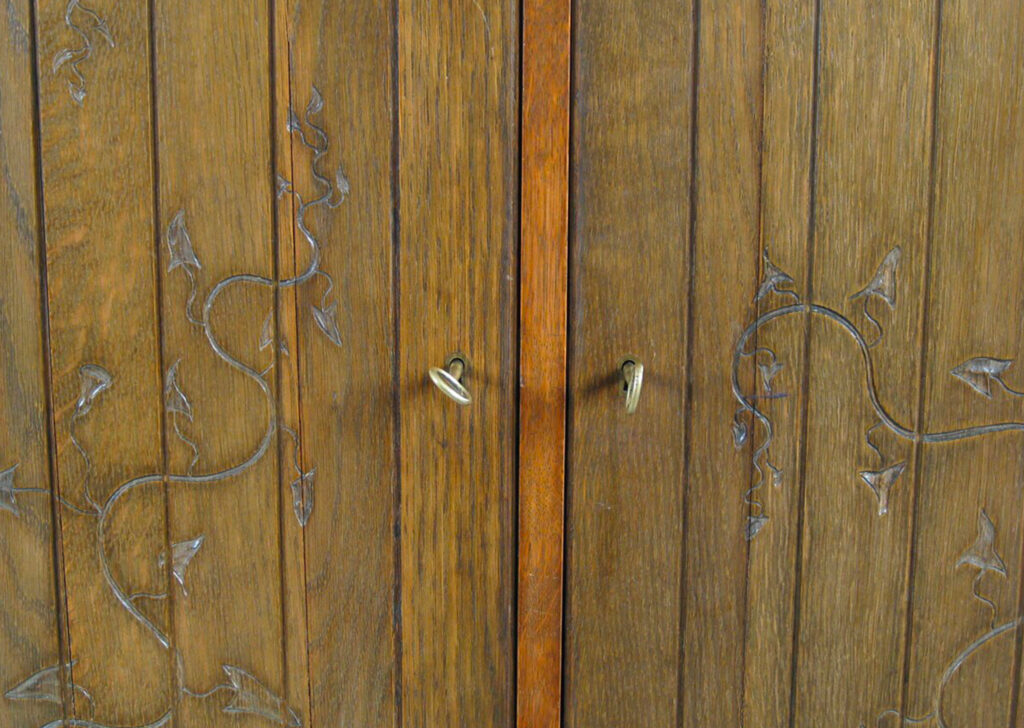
[{"x": 74, "y": 57}]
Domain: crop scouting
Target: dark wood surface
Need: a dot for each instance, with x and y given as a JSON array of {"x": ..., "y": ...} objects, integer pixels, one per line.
[{"x": 543, "y": 262}]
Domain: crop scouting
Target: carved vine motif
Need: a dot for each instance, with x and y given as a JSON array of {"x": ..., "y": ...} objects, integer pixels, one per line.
[
  {"x": 247, "y": 695},
  {"x": 981, "y": 555},
  {"x": 980, "y": 373},
  {"x": 73, "y": 57}
]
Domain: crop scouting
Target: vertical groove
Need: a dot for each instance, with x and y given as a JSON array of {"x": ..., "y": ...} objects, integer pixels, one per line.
[
  {"x": 806, "y": 383},
  {"x": 569, "y": 364},
  {"x": 60, "y": 591},
  {"x": 160, "y": 353},
  {"x": 514, "y": 310},
  {"x": 922, "y": 362},
  {"x": 396, "y": 388},
  {"x": 688, "y": 390},
  {"x": 757, "y": 263}
]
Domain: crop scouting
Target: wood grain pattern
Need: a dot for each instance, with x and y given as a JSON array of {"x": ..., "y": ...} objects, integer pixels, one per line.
[
  {"x": 347, "y": 395},
  {"x": 214, "y": 153},
  {"x": 457, "y": 170},
  {"x": 871, "y": 194},
  {"x": 543, "y": 262},
  {"x": 97, "y": 173},
  {"x": 974, "y": 309},
  {"x": 725, "y": 267},
  {"x": 629, "y": 278},
  {"x": 28, "y": 617}
]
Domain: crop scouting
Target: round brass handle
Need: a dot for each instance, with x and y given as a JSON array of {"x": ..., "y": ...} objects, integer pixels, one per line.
[
  {"x": 449, "y": 380},
  {"x": 633, "y": 382}
]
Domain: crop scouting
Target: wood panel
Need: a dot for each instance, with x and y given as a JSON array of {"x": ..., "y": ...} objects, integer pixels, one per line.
[
  {"x": 974, "y": 309},
  {"x": 346, "y": 396},
  {"x": 457, "y": 174},
  {"x": 97, "y": 170},
  {"x": 543, "y": 262},
  {"x": 870, "y": 198},
  {"x": 28, "y": 619},
  {"x": 725, "y": 265},
  {"x": 214, "y": 152},
  {"x": 785, "y": 181},
  {"x": 629, "y": 277}
]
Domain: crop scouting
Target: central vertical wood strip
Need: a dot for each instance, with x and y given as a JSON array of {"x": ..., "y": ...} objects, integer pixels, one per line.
[
  {"x": 214, "y": 155},
  {"x": 975, "y": 309},
  {"x": 725, "y": 267},
  {"x": 346, "y": 393},
  {"x": 629, "y": 262},
  {"x": 29, "y": 612},
  {"x": 871, "y": 195},
  {"x": 458, "y": 86},
  {"x": 542, "y": 359},
  {"x": 103, "y": 310}
]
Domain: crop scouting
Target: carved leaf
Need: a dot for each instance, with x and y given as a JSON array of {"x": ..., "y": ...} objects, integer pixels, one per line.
[
  {"x": 95, "y": 379},
  {"x": 341, "y": 182},
  {"x": 62, "y": 57},
  {"x": 883, "y": 284},
  {"x": 982, "y": 553},
  {"x": 267, "y": 332},
  {"x": 182, "y": 554},
  {"x": 7, "y": 499},
  {"x": 754, "y": 526},
  {"x": 302, "y": 496},
  {"x": 771, "y": 279},
  {"x": 327, "y": 320},
  {"x": 252, "y": 697},
  {"x": 174, "y": 399},
  {"x": 316, "y": 102},
  {"x": 293, "y": 123},
  {"x": 179, "y": 243},
  {"x": 103, "y": 29},
  {"x": 283, "y": 186},
  {"x": 768, "y": 372},
  {"x": 981, "y": 371},
  {"x": 44, "y": 685},
  {"x": 740, "y": 433},
  {"x": 882, "y": 482},
  {"x": 77, "y": 93}
]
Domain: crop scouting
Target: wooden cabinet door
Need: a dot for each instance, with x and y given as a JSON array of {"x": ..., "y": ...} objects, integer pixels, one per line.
[
  {"x": 237, "y": 236},
  {"x": 804, "y": 218}
]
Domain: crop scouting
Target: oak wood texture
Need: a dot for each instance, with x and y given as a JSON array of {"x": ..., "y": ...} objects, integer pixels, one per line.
[
  {"x": 543, "y": 263},
  {"x": 213, "y": 145},
  {"x": 346, "y": 399},
  {"x": 629, "y": 276},
  {"x": 457, "y": 164},
  {"x": 97, "y": 172},
  {"x": 28, "y": 620}
]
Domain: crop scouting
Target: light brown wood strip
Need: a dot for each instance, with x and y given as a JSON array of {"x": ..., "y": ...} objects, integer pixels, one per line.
[
  {"x": 974, "y": 309},
  {"x": 725, "y": 266},
  {"x": 458, "y": 109},
  {"x": 213, "y": 141},
  {"x": 543, "y": 264},
  {"x": 871, "y": 195},
  {"x": 347, "y": 393},
  {"x": 29, "y": 616},
  {"x": 630, "y": 164},
  {"x": 97, "y": 174},
  {"x": 789, "y": 57}
]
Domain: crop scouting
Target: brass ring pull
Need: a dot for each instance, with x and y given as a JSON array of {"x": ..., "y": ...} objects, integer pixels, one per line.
[
  {"x": 449, "y": 380},
  {"x": 633, "y": 382}
]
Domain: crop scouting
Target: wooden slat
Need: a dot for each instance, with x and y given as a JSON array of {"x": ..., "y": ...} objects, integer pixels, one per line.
[
  {"x": 28, "y": 617},
  {"x": 631, "y": 146},
  {"x": 725, "y": 267},
  {"x": 457, "y": 169},
  {"x": 974, "y": 309},
  {"x": 870, "y": 195},
  {"x": 213, "y": 147},
  {"x": 98, "y": 190},
  {"x": 347, "y": 394},
  {"x": 543, "y": 262},
  {"x": 789, "y": 58}
]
